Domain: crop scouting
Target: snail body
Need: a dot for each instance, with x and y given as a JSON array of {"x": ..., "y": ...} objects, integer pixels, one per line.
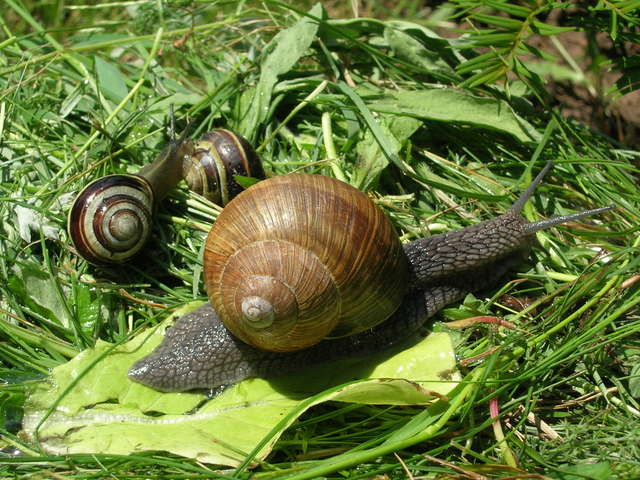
[
  {"x": 406, "y": 284},
  {"x": 110, "y": 219}
]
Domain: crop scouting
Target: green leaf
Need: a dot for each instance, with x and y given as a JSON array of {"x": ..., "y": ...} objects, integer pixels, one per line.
[
  {"x": 40, "y": 292},
  {"x": 371, "y": 158},
  {"x": 592, "y": 471},
  {"x": 445, "y": 48},
  {"x": 446, "y": 105},
  {"x": 110, "y": 80},
  {"x": 10, "y": 407},
  {"x": 93, "y": 38},
  {"x": 494, "y": 39},
  {"x": 630, "y": 78},
  {"x": 425, "y": 175},
  {"x": 546, "y": 29},
  {"x": 495, "y": 21},
  {"x": 245, "y": 182},
  {"x": 634, "y": 381},
  {"x": 282, "y": 53},
  {"x": 407, "y": 48},
  {"x": 87, "y": 308},
  {"x": 556, "y": 71},
  {"x": 95, "y": 408},
  {"x": 486, "y": 76},
  {"x": 481, "y": 61},
  {"x": 353, "y": 27},
  {"x": 388, "y": 145}
]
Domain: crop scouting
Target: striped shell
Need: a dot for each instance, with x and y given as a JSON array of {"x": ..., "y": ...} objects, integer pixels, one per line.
[
  {"x": 110, "y": 219},
  {"x": 298, "y": 258},
  {"x": 219, "y": 155}
]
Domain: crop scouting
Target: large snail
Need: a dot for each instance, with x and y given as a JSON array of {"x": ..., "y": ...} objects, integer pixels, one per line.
[
  {"x": 301, "y": 259},
  {"x": 110, "y": 219}
]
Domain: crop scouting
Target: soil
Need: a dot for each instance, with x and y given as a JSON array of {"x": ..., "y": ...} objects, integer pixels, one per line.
[{"x": 616, "y": 116}]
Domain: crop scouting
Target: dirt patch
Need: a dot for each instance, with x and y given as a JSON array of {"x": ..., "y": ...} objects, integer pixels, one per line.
[{"x": 588, "y": 100}]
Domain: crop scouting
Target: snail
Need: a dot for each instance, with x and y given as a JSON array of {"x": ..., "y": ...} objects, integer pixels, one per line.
[
  {"x": 217, "y": 158},
  {"x": 311, "y": 249},
  {"x": 110, "y": 219}
]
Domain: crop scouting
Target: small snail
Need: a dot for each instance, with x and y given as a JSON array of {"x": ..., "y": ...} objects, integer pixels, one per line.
[
  {"x": 218, "y": 156},
  {"x": 298, "y": 260},
  {"x": 110, "y": 219}
]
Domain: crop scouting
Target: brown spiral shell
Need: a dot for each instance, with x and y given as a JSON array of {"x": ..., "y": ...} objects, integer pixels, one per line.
[
  {"x": 298, "y": 258},
  {"x": 218, "y": 156},
  {"x": 110, "y": 219}
]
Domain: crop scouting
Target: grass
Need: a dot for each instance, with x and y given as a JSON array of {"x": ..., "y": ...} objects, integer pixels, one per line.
[{"x": 85, "y": 91}]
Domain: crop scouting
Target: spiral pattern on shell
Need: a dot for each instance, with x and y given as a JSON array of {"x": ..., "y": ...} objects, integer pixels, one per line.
[
  {"x": 110, "y": 219},
  {"x": 218, "y": 156},
  {"x": 298, "y": 258}
]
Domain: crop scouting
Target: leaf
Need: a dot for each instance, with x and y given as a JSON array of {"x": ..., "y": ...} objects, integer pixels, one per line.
[
  {"x": 110, "y": 80},
  {"x": 95, "y": 408},
  {"x": 629, "y": 81},
  {"x": 407, "y": 48},
  {"x": 492, "y": 38},
  {"x": 72, "y": 100},
  {"x": 592, "y": 471},
  {"x": 476, "y": 62},
  {"x": 30, "y": 220},
  {"x": 447, "y": 49},
  {"x": 634, "y": 381},
  {"x": 386, "y": 142},
  {"x": 446, "y": 105},
  {"x": 489, "y": 75},
  {"x": 245, "y": 182},
  {"x": 354, "y": 27},
  {"x": 10, "y": 408},
  {"x": 282, "y": 53},
  {"x": 93, "y": 39},
  {"x": 546, "y": 29},
  {"x": 494, "y": 20},
  {"x": 93, "y": 307},
  {"x": 39, "y": 291},
  {"x": 178, "y": 100},
  {"x": 371, "y": 159}
]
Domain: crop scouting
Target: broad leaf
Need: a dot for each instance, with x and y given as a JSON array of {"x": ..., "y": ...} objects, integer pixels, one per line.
[
  {"x": 111, "y": 81},
  {"x": 446, "y": 105},
  {"x": 283, "y": 52},
  {"x": 371, "y": 158},
  {"x": 88, "y": 405}
]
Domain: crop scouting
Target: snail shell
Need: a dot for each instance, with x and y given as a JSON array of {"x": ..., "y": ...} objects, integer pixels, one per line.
[
  {"x": 219, "y": 155},
  {"x": 298, "y": 258},
  {"x": 111, "y": 217}
]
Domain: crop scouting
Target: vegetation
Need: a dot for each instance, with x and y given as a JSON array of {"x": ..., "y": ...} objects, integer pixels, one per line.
[{"x": 441, "y": 114}]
